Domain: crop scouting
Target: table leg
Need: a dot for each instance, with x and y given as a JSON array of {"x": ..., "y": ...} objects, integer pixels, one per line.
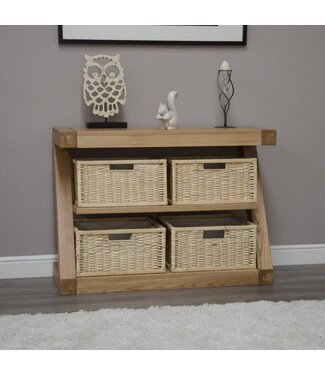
[
  {"x": 258, "y": 217},
  {"x": 66, "y": 273}
]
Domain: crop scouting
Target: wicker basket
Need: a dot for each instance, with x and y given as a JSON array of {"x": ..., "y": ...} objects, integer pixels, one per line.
[
  {"x": 202, "y": 243},
  {"x": 119, "y": 246},
  {"x": 104, "y": 183},
  {"x": 213, "y": 181}
]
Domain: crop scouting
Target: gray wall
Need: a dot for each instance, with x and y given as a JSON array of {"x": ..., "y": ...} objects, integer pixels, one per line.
[{"x": 280, "y": 83}]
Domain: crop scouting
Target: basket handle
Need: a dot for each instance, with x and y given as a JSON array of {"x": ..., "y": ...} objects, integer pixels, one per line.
[
  {"x": 213, "y": 234},
  {"x": 121, "y": 167},
  {"x": 120, "y": 236},
  {"x": 214, "y": 166}
]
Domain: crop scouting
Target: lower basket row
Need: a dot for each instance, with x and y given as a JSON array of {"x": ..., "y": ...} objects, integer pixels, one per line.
[{"x": 183, "y": 243}]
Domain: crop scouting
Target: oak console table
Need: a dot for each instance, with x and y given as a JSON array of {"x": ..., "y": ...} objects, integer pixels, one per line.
[{"x": 67, "y": 140}]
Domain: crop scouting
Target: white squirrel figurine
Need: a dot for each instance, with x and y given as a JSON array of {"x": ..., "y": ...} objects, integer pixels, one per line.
[{"x": 167, "y": 113}]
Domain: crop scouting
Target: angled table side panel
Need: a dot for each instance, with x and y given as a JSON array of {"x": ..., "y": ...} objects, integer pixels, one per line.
[
  {"x": 258, "y": 217},
  {"x": 64, "y": 214}
]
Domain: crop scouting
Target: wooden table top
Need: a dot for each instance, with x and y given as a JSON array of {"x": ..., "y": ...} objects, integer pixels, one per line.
[{"x": 138, "y": 138}]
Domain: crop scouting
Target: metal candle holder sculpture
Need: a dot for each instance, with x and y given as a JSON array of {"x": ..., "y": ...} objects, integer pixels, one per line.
[{"x": 227, "y": 90}]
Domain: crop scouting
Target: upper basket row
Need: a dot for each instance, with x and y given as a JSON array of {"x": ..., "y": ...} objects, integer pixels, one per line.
[{"x": 107, "y": 183}]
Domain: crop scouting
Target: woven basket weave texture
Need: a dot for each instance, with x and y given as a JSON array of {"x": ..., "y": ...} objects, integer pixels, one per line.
[
  {"x": 233, "y": 180},
  {"x": 109, "y": 183},
  {"x": 141, "y": 250},
  {"x": 188, "y": 250}
]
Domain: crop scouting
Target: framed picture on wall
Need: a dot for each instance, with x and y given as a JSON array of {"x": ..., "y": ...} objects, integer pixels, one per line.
[{"x": 189, "y": 34}]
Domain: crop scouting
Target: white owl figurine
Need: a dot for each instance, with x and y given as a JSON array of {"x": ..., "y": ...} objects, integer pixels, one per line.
[{"x": 104, "y": 86}]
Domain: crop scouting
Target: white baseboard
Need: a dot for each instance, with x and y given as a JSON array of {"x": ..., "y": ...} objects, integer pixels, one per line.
[
  {"x": 42, "y": 265},
  {"x": 27, "y": 266},
  {"x": 298, "y": 254}
]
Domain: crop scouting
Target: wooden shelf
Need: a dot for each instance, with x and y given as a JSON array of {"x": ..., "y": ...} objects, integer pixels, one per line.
[
  {"x": 168, "y": 208},
  {"x": 166, "y": 280}
]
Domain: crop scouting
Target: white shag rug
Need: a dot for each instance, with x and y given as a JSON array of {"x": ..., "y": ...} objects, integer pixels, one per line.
[{"x": 255, "y": 325}]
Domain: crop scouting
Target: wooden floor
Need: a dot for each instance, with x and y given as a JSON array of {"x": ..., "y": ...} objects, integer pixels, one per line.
[{"x": 40, "y": 295}]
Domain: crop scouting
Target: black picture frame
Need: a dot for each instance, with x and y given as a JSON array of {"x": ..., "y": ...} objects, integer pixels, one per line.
[{"x": 242, "y": 41}]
